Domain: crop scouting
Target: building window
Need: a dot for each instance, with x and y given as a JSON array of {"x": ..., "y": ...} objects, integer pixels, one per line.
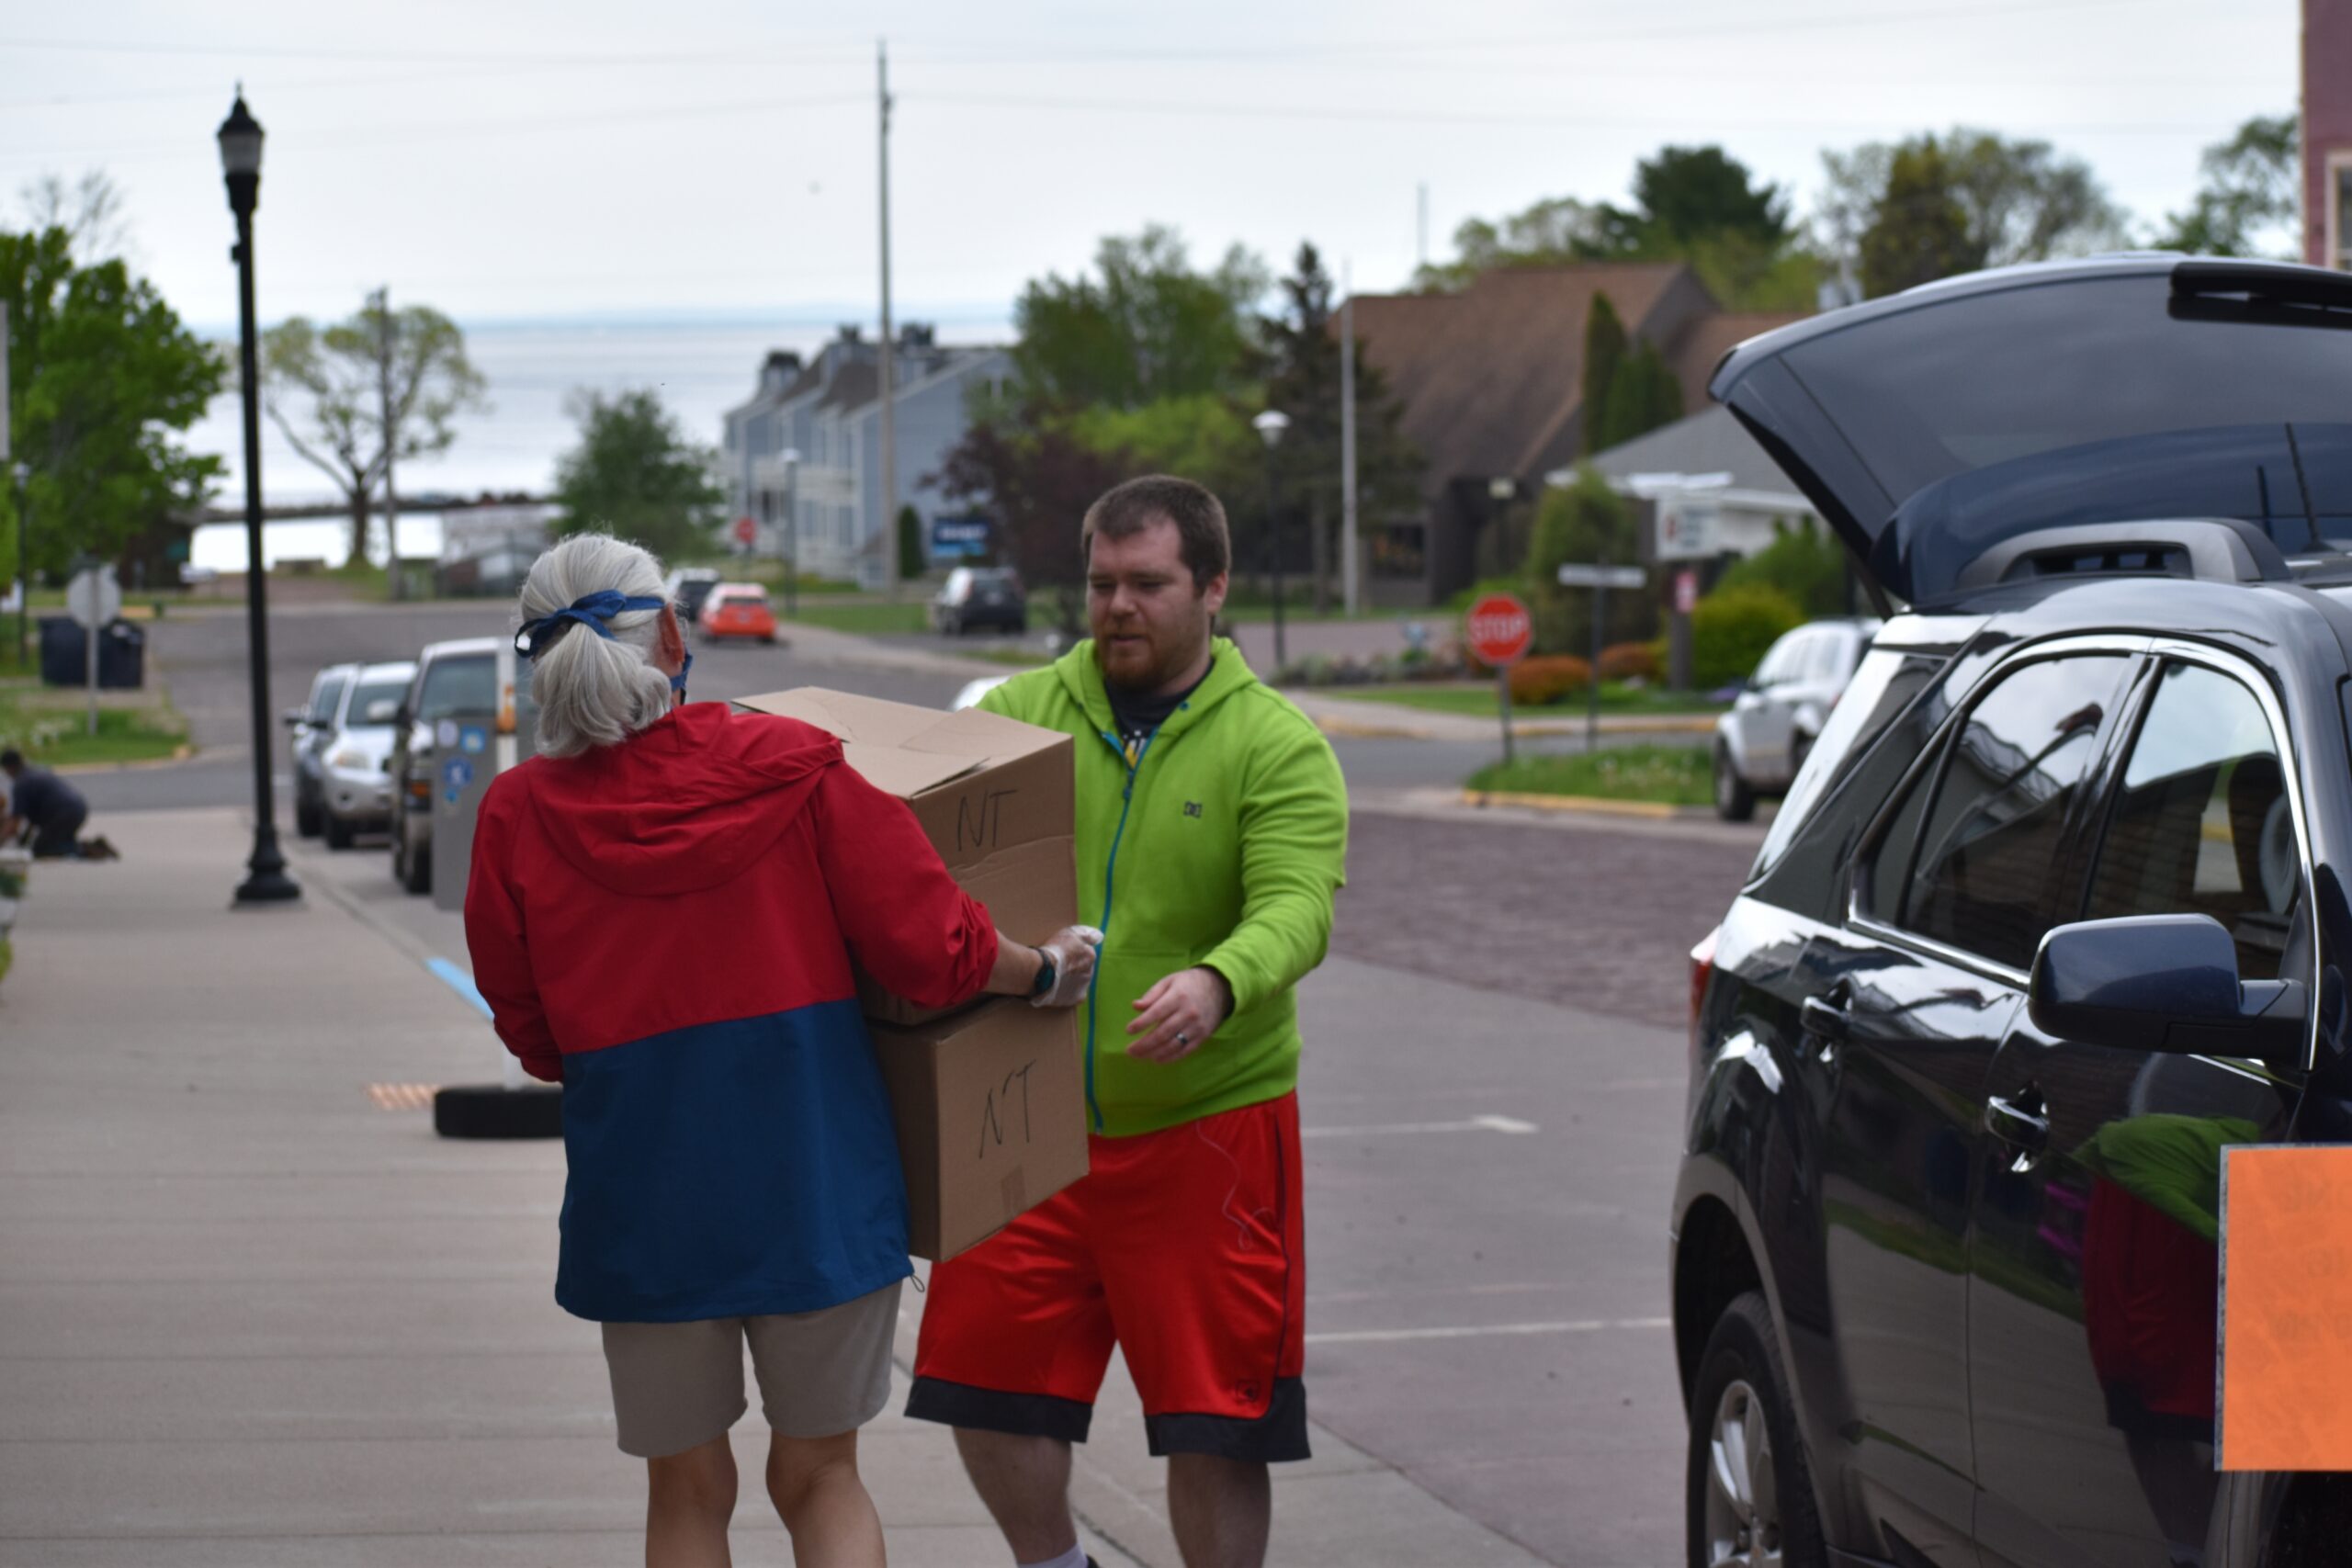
[{"x": 2340, "y": 210}]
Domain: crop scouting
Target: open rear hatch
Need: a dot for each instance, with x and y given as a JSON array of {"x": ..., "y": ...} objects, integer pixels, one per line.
[{"x": 1935, "y": 426}]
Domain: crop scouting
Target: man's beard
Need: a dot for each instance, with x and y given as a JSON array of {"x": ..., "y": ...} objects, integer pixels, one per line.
[{"x": 1165, "y": 666}]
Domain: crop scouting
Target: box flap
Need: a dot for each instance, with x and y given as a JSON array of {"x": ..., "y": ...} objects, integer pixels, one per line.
[{"x": 892, "y": 745}]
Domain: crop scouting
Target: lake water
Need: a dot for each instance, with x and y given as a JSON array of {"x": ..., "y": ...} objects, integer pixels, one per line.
[{"x": 534, "y": 370}]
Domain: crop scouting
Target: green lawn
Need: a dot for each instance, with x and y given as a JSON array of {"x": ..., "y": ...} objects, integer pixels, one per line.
[
  {"x": 868, "y": 619},
  {"x": 1669, "y": 776},
  {"x": 1476, "y": 698},
  {"x": 50, "y": 725}
]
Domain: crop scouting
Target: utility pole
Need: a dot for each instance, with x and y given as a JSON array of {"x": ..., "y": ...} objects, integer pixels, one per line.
[
  {"x": 382, "y": 301},
  {"x": 1348, "y": 564},
  {"x": 1421, "y": 225},
  {"x": 889, "y": 465}
]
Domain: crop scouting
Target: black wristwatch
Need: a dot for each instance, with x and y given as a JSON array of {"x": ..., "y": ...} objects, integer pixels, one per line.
[{"x": 1045, "y": 980}]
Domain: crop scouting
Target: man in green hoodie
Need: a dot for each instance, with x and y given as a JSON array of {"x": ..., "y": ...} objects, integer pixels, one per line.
[{"x": 1211, "y": 834}]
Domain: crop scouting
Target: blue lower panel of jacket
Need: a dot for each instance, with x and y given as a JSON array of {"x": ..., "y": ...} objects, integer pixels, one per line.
[{"x": 730, "y": 1170}]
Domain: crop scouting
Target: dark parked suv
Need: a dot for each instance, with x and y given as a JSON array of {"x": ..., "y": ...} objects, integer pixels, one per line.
[{"x": 2054, "y": 913}]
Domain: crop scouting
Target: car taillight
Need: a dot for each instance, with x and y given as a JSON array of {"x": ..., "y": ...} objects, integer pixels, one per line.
[{"x": 1702, "y": 969}]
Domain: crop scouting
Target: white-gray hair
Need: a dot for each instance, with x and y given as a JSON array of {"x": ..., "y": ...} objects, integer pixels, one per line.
[{"x": 595, "y": 691}]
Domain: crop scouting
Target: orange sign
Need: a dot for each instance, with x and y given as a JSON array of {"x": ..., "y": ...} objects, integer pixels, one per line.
[{"x": 2286, "y": 1307}]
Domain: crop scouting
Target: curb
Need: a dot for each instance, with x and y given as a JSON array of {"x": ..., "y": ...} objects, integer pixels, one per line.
[{"x": 1656, "y": 811}]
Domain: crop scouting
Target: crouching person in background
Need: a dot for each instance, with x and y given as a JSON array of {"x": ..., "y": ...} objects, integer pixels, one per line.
[{"x": 662, "y": 910}]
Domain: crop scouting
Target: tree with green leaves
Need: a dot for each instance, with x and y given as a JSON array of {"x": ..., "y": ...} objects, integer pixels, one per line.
[
  {"x": 328, "y": 389},
  {"x": 1695, "y": 205},
  {"x": 103, "y": 380},
  {"x": 635, "y": 474},
  {"x": 1919, "y": 230},
  {"x": 2248, "y": 195},
  {"x": 1587, "y": 522},
  {"x": 1147, "y": 327},
  {"x": 1302, "y": 381},
  {"x": 1804, "y": 561},
  {"x": 1027, "y": 472},
  {"x": 1960, "y": 201}
]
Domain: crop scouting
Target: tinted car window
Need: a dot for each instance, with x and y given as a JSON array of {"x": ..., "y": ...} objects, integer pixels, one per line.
[
  {"x": 467, "y": 683},
  {"x": 1987, "y": 849},
  {"x": 323, "y": 702},
  {"x": 368, "y": 696},
  {"x": 1884, "y": 685},
  {"x": 2201, "y": 824},
  {"x": 2006, "y": 388}
]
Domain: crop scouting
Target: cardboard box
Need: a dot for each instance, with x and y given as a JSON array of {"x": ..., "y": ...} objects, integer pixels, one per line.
[
  {"x": 992, "y": 1113},
  {"x": 995, "y": 795}
]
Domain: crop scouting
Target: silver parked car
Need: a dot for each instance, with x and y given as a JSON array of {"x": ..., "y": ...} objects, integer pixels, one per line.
[
  {"x": 1761, "y": 743},
  {"x": 472, "y": 675},
  {"x": 356, "y": 776},
  {"x": 311, "y": 726}
]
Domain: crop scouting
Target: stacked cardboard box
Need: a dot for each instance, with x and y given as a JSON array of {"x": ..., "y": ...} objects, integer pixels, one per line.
[{"x": 990, "y": 1102}]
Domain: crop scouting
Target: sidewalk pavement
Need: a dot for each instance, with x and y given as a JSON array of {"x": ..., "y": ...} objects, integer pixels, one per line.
[{"x": 255, "y": 1313}]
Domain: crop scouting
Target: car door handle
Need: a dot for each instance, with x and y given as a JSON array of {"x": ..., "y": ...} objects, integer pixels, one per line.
[
  {"x": 1827, "y": 1019},
  {"x": 2017, "y": 1125}
]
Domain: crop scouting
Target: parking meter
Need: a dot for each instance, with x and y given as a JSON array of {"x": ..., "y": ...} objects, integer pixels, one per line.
[{"x": 470, "y": 749}]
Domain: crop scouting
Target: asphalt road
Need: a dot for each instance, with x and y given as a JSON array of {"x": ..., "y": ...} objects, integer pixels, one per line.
[{"x": 1492, "y": 1087}]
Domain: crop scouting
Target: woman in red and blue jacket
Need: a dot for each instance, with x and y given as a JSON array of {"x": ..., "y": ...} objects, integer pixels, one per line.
[{"x": 662, "y": 910}]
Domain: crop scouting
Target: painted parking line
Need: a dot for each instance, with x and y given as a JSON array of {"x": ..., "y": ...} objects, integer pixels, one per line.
[
  {"x": 1484, "y": 1330},
  {"x": 458, "y": 980},
  {"x": 1511, "y": 1124}
]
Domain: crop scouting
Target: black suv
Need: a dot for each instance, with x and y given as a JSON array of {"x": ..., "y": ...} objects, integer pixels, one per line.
[{"x": 2055, "y": 912}]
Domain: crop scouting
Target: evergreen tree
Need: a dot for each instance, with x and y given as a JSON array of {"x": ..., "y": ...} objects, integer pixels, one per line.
[
  {"x": 1643, "y": 395},
  {"x": 1303, "y": 354},
  {"x": 912, "y": 559},
  {"x": 1587, "y": 524},
  {"x": 1919, "y": 230},
  {"x": 1604, "y": 351}
]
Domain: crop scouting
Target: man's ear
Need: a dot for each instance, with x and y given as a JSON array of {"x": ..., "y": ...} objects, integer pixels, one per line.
[{"x": 1214, "y": 595}]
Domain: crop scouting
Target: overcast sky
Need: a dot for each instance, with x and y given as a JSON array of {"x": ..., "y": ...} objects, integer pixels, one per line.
[{"x": 534, "y": 159}]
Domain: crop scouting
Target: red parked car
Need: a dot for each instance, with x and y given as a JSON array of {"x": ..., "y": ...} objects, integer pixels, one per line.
[{"x": 737, "y": 609}]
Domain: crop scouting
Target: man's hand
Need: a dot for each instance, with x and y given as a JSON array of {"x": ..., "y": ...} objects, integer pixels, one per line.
[
  {"x": 1071, "y": 952},
  {"x": 1178, "y": 1014}
]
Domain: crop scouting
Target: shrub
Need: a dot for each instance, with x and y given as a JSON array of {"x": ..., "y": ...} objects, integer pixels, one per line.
[
  {"x": 1631, "y": 661},
  {"x": 1541, "y": 682},
  {"x": 1732, "y": 628},
  {"x": 1803, "y": 561}
]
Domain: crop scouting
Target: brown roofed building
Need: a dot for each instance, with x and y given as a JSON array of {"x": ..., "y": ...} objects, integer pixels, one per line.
[{"x": 1490, "y": 381}]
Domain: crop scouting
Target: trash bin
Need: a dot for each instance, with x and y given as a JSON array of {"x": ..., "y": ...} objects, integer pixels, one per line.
[
  {"x": 64, "y": 654},
  {"x": 122, "y": 656}
]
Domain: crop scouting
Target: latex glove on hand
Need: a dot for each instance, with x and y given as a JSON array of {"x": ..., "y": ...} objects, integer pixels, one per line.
[{"x": 1071, "y": 952}]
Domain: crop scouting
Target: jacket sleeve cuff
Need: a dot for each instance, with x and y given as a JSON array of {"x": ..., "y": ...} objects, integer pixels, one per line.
[{"x": 1238, "y": 977}]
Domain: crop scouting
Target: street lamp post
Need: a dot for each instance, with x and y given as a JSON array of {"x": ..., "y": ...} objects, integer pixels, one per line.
[
  {"x": 265, "y": 881},
  {"x": 1271, "y": 425},
  {"x": 790, "y": 456}
]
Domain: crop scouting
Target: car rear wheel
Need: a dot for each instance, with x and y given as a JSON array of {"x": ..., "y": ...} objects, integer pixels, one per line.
[
  {"x": 413, "y": 871},
  {"x": 1734, "y": 800},
  {"x": 1749, "y": 1489},
  {"x": 338, "y": 831},
  {"x": 306, "y": 817}
]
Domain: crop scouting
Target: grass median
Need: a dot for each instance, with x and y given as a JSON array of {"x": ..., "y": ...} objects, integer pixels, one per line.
[
  {"x": 1663, "y": 776},
  {"x": 1477, "y": 699},
  {"x": 51, "y": 724}
]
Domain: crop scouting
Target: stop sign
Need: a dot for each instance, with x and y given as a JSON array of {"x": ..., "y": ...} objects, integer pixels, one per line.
[
  {"x": 745, "y": 531},
  {"x": 1499, "y": 630}
]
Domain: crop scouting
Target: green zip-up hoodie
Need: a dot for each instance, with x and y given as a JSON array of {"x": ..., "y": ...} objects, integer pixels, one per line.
[{"x": 1222, "y": 846}]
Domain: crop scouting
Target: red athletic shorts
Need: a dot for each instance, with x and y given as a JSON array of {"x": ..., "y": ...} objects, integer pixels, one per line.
[{"x": 1181, "y": 1247}]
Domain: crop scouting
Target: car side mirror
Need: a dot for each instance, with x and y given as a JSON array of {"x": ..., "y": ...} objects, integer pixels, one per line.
[
  {"x": 295, "y": 718},
  {"x": 2166, "y": 983}
]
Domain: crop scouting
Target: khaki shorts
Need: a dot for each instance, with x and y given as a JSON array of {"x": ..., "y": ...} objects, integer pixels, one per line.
[{"x": 678, "y": 1385}]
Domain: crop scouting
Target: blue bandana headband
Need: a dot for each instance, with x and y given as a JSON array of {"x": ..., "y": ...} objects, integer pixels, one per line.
[{"x": 591, "y": 610}]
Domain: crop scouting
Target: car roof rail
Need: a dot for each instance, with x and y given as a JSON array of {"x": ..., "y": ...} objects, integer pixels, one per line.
[{"x": 2215, "y": 550}]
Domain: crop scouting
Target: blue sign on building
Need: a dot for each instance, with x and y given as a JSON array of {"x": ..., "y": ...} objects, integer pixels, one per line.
[{"x": 958, "y": 538}]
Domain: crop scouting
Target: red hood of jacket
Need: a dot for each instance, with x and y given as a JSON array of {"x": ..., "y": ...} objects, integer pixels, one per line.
[{"x": 684, "y": 803}]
